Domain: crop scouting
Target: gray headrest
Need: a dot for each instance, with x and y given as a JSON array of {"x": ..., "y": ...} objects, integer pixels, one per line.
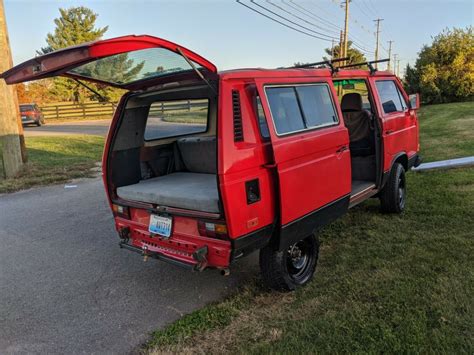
[{"x": 351, "y": 102}]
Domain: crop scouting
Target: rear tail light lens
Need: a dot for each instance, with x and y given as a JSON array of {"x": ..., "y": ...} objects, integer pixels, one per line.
[
  {"x": 121, "y": 211},
  {"x": 212, "y": 230}
]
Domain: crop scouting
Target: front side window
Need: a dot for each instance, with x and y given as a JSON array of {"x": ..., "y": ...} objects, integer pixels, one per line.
[
  {"x": 349, "y": 86},
  {"x": 177, "y": 118},
  {"x": 301, "y": 107},
  {"x": 389, "y": 96}
]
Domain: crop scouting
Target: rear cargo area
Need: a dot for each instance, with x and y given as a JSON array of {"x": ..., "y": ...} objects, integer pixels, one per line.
[
  {"x": 192, "y": 185},
  {"x": 164, "y": 151}
]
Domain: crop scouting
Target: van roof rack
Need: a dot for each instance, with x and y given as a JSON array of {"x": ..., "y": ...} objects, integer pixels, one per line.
[
  {"x": 369, "y": 64},
  {"x": 328, "y": 63}
]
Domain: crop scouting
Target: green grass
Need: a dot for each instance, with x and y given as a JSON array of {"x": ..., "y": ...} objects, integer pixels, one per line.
[
  {"x": 186, "y": 117},
  {"x": 56, "y": 159},
  {"x": 384, "y": 283},
  {"x": 447, "y": 131}
]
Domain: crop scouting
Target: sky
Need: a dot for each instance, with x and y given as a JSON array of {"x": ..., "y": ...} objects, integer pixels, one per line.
[{"x": 232, "y": 36}]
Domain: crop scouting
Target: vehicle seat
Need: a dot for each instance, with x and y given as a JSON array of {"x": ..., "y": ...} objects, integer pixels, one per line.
[
  {"x": 358, "y": 121},
  {"x": 198, "y": 154},
  {"x": 193, "y": 186}
]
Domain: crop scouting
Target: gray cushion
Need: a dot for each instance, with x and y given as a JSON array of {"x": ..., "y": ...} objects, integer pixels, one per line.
[
  {"x": 182, "y": 190},
  {"x": 199, "y": 154}
]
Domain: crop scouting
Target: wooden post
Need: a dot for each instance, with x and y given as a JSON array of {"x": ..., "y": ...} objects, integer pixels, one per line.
[{"x": 11, "y": 131}]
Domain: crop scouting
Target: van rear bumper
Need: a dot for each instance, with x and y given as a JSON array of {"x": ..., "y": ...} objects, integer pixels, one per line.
[
  {"x": 156, "y": 255},
  {"x": 191, "y": 251}
]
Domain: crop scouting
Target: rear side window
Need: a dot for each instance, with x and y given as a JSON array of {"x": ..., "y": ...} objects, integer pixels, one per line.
[
  {"x": 390, "y": 96},
  {"x": 262, "y": 122},
  {"x": 177, "y": 118},
  {"x": 301, "y": 107}
]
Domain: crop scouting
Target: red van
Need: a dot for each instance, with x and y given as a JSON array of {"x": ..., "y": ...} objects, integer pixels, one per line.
[{"x": 204, "y": 167}]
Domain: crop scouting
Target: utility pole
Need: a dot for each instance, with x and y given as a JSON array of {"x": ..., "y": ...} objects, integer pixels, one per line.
[
  {"x": 332, "y": 49},
  {"x": 398, "y": 67},
  {"x": 389, "y": 54},
  {"x": 11, "y": 131},
  {"x": 377, "y": 40},
  {"x": 395, "y": 63},
  {"x": 346, "y": 28}
]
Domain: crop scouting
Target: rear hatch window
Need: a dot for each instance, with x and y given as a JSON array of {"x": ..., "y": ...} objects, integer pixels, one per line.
[
  {"x": 127, "y": 68},
  {"x": 177, "y": 118}
]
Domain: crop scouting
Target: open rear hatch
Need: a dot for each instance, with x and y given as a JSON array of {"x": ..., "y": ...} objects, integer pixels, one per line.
[{"x": 129, "y": 62}]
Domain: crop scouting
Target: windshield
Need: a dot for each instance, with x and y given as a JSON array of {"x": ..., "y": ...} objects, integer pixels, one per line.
[
  {"x": 134, "y": 66},
  {"x": 24, "y": 108}
]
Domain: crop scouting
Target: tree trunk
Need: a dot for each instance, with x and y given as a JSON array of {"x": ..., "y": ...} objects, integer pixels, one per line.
[{"x": 10, "y": 127}]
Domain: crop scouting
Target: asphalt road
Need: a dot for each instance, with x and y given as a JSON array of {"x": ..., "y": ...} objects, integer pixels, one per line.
[
  {"x": 66, "y": 287},
  {"x": 101, "y": 127},
  {"x": 98, "y": 128}
]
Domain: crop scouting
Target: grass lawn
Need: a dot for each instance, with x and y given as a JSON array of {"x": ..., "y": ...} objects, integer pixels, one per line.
[
  {"x": 384, "y": 283},
  {"x": 447, "y": 131},
  {"x": 186, "y": 117},
  {"x": 56, "y": 159}
]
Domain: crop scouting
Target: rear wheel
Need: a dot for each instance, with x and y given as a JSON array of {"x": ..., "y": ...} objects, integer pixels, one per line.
[
  {"x": 289, "y": 269},
  {"x": 38, "y": 123},
  {"x": 394, "y": 193}
]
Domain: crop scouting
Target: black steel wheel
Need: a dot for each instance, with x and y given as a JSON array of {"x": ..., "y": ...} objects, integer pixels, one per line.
[
  {"x": 292, "y": 268},
  {"x": 394, "y": 194}
]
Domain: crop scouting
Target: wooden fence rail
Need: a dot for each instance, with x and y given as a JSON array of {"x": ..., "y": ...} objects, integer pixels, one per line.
[{"x": 97, "y": 109}]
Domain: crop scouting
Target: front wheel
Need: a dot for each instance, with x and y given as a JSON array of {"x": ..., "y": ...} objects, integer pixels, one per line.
[
  {"x": 289, "y": 269},
  {"x": 393, "y": 195}
]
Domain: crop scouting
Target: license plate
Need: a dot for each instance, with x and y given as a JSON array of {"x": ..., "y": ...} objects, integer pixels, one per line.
[{"x": 160, "y": 225}]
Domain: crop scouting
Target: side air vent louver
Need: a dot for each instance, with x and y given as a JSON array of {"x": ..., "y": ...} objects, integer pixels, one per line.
[{"x": 238, "y": 129}]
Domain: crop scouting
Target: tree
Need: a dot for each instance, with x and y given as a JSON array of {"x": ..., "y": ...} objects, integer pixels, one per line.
[
  {"x": 76, "y": 25},
  {"x": 444, "y": 70},
  {"x": 354, "y": 54},
  {"x": 412, "y": 80}
]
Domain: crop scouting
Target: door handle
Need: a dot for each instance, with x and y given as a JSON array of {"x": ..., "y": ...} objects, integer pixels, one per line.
[
  {"x": 269, "y": 166},
  {"x": 342, "y": 149}
]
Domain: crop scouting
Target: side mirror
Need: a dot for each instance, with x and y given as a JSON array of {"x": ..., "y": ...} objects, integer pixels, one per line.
[{"x": 414, "y": 101}]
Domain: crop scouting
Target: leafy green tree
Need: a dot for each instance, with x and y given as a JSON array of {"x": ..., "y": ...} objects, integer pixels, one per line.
[
  {"x": 411, "y": 80},
  {"x": 444, "y": 70},
  {"x": 354, "y": 54},
  {"x": 77, "y": 25}
]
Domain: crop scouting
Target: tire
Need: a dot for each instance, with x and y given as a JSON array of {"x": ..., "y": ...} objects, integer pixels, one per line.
[
  {"x": 393, "y": 195},
  {"x": 292, "y": 268},
  {"x": 38, "y": 123}
]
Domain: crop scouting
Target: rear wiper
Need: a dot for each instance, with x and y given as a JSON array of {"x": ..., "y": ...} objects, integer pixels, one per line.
[{"x": 196, "y": 70}]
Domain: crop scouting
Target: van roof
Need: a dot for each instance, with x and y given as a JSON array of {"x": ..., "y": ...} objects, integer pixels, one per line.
[{"x": 253, "y": 73}]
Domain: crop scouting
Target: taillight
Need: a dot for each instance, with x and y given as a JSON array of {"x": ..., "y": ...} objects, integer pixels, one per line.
[
  {"x": 212, "y": 230},
  {"x": 121, "y": 211}
]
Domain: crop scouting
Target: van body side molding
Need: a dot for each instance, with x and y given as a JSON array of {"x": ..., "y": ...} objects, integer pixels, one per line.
[{"x": 308, "y": 224}]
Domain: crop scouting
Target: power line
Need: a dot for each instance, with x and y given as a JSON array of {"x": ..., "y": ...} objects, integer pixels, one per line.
[
  {"x": 282, "y": 23},
  {"x": 292, "y": 22},
  {"x": 310, "y": 14},
  {"x": 361, "y": 45},
  {"x": 298, "y": 17}
]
